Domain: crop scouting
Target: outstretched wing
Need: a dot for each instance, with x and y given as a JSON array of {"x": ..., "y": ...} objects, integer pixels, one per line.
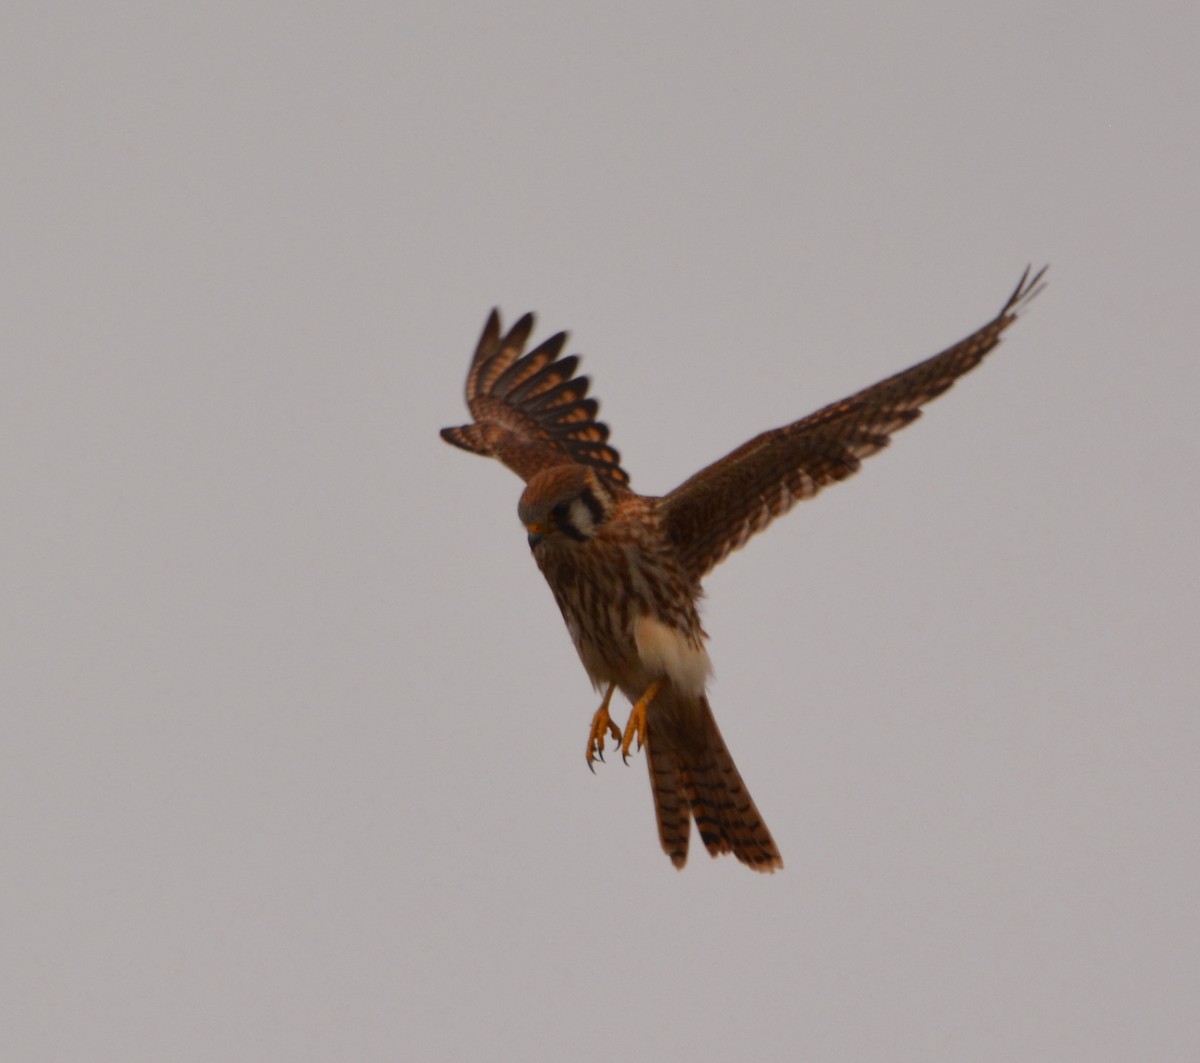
[
  {"x": 720, "y": 507},
  {"x": 530, "y": 410}
]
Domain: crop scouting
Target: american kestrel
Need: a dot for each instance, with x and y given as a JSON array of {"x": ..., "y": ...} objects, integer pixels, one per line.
[{"x": 626, "y": 568}]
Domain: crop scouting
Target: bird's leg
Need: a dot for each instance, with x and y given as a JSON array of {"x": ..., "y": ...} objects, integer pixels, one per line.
[
  {"x": 601, "y": 724},
  {"x": 637, "y": 720}
]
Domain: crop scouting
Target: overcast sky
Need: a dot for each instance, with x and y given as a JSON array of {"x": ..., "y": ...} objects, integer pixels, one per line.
[{"x": 292, "y": 758}]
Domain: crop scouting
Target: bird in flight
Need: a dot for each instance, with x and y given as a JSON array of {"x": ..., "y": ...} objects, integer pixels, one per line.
[{"x": 625, "y": 569}]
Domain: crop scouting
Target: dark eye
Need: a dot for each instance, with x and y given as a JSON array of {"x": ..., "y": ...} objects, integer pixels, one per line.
[{"x": 559, "y": 514}]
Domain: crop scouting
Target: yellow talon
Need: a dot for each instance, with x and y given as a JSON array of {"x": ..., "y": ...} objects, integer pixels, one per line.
[
  {"x": 601, "y": 723},
  {"x": 637, "y": 720}
]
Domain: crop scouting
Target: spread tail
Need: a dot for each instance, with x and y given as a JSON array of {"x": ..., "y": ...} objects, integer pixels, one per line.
[{"x": 693, "y": 776}]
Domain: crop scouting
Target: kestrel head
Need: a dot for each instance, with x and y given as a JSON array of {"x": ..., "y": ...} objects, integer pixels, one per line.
[{"x": 565, "y": 503}]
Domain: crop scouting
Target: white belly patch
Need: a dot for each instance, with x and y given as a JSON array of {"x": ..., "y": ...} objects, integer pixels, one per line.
[{"x": 665, "y": 650}]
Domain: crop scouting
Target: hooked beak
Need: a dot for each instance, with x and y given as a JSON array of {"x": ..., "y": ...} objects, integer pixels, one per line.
[{"x": 537, "y": 532}]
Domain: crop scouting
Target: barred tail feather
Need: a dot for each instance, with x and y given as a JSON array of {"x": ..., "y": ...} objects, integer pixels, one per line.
[{"x": 692, "y": 776}]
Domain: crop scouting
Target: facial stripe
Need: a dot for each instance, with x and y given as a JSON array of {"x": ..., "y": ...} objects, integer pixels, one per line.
[
  {"x": 567, "y": 527},
  {"x": 593, "y": 505}
]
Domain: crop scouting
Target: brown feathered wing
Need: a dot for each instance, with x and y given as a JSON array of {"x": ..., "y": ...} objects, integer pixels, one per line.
[
  {"x": 530, "y": 410},
  {"x": 718, "y": 509}
]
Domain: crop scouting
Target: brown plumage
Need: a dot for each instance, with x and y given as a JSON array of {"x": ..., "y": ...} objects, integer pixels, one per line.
[{"x": 625, "y": 568}]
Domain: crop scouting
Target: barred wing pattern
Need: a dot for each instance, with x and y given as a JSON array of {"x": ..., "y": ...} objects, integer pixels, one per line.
[
  {"x": 723, "y": 505},
  {"x": 530, "y": 410}
]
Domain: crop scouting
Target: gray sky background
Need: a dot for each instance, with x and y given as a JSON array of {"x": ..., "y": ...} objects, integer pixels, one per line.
[{"x": 292, "y": 764}]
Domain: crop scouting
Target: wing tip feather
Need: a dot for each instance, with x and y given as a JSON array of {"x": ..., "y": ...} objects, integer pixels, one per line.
[{"x": 1028, "y": 288}]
